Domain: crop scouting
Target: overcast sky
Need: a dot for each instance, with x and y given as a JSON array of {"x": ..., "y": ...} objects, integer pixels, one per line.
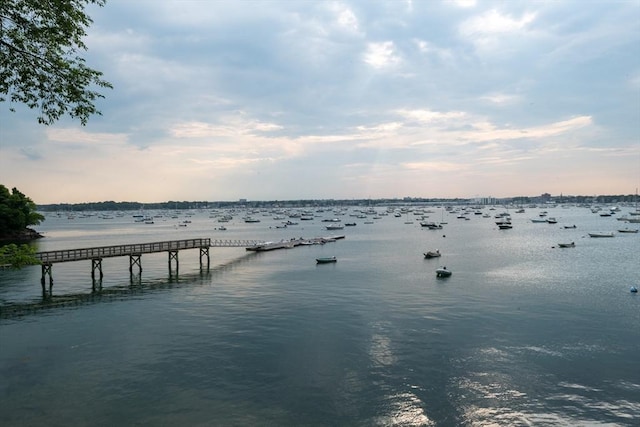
[{"x": 279, "y": 100}]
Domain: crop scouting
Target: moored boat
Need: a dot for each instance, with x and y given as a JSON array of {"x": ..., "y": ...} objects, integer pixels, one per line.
[
  {"x": 326, "y": 260},
  {"x": 628, "y": 230},
  {"x": 432, "y": 254},
  {"x": 334, "y": 227},
  {"x": 601, "y": 234},
  {"x": 567, "y": 245},
  {"x": 443, "y": 272}
]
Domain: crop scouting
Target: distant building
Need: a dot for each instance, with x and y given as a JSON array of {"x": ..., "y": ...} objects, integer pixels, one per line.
[{"x": 484, "y": 200}]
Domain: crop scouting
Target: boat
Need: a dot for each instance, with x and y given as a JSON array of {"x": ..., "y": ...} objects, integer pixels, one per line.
[
  {"x": 335, "y": 227},
  {"x": 628, "y": 230},
  {"x": 536, "y": 220},
  {"x": 443, "y": 272},
  {"x": 567, "y": 245},
  {"x": 432, "y": 254},
  {"x": 326, "y": 260},
  {"x": 570, "y": 226},
  {"x": 552, "y": 220},
  {"x": 633, "y": 290},
  {"x": 349, "y": 224},
  {"x": 431, "y": 225},
  {"x": 505, "y": 226},
  {"x": 601, "y": 234}
]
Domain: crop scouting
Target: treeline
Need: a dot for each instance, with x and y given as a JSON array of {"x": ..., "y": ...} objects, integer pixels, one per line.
[
  {"x": 305, "y": 203},
  {"x": 253, "y": 204},
  {"x": 119, "y": 206}
]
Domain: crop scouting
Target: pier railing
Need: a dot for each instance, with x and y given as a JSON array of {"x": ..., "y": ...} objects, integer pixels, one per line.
[{"x": 67, "y": 255}]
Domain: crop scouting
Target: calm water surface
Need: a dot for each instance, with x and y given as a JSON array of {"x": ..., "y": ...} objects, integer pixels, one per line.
[{"x": 522, "y": 333}]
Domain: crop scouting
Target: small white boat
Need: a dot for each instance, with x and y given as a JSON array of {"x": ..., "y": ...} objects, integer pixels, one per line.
[
  {"x": 567, "y": 245},
  {"x": 432, "y": 254},
  {"x": 326, "y": 260},
  {"x": 634, "y": 290},
  {"x": 443, "y": 272},
  {"x": 601, "y": 234}
]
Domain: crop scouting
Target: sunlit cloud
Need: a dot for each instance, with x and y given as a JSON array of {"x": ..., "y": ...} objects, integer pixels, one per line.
[
  {"x": 493, "y": 22},
  {"x": 234, "y": 129},
  {"x": 428, "y": 116},
  {"x": 345, "y": 17},
  {"x": 493, "y": 28},
  {"x": 381, "y": 55},
  {"x": 439, "y": 166}
]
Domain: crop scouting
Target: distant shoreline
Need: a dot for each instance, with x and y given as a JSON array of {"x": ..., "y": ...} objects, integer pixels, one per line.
[{"x": 257, "y": 204}]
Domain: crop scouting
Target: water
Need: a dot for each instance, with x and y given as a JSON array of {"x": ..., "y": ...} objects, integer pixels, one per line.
[{"x": 522, "y": 333}]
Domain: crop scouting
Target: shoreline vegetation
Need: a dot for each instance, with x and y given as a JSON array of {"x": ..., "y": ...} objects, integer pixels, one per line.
[{"x": 17, "y": 214}]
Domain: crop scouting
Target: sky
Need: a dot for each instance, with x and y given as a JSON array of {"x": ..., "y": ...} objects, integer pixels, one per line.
[{"x": 282, "y": 100}]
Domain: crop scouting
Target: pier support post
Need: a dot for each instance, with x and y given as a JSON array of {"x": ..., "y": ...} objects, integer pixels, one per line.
[
  {"x": 46, "y": 271},
  {"x": 96, "y": 264},
  {"x": 135, "y": 260},
  {"x": 173, "y": 255},
  {"x": 204, "y": 251}
]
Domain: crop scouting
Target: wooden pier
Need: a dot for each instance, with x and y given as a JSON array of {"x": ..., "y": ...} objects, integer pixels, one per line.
[{"x": 134, "y": 252}]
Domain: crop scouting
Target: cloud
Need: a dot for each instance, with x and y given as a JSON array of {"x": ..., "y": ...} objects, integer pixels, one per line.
[
  {"x": 381, "y": 55},
  {"x": 494, "y": 30}
]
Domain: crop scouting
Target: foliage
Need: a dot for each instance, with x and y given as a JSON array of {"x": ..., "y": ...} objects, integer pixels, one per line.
[
  {"x": 39, "y": 62},
  {"x": 16, "y": 256},
  {"x": 17, "y": 211}
]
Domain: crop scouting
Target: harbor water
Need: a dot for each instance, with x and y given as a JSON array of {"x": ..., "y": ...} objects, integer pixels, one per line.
[{"x": 523, "y": 333}]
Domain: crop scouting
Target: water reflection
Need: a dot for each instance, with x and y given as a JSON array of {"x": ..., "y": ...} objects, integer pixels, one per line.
[
  {"x": 137, "y": 286},
  {"x": 404, "y": 409}
]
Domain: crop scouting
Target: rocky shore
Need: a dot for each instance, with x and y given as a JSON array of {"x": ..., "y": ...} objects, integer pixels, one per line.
[{"x": 25, "y": 235}]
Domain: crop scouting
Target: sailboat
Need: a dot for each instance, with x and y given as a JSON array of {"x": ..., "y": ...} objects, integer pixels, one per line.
[{"x": 636, "y": 213}]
